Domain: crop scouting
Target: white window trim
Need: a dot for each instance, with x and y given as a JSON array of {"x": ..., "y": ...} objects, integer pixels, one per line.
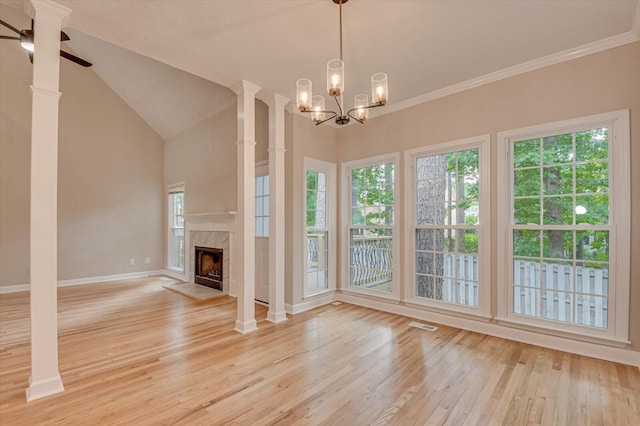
[
  {"x": 620, "y": 239},
  {"x": 173, "y": 188},
  {"x": 346, "y": 221},
  {"x": 330, "y": 170},
  {"x": 483, "y": 144}
]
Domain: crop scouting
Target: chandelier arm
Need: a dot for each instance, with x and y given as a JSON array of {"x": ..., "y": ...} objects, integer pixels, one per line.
[
  {"x": 339, "y": 105},
  {"x": 364, "y": 107},
  {"x": 334, "y": 115},
  {"x": 354, "y": 117}
]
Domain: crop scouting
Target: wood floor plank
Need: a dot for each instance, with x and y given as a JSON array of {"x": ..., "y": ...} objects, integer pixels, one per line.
[{"x": 134, "y": 353}]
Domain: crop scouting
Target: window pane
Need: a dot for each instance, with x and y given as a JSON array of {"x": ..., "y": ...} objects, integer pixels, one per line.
[
  {"x": 265, "y": 183},
  {"x": 526, "y": 211},
  {"x": 557, "y": 275},
  {"x": 558, "y": 210},
  {"x": 526, "y": 182},
  {"x": 259, "y": 228},
  {"x": 558, "y": 149},
  {"x": 558, "y": 244},
  {"x": 259, "y": 187},
  {"x": 371, "y": 260},
  {"x": 526, "y": 243},
  {"x": 592, "y": 278},
  {"x": 265, "y": 201},
  {"x": 424, "y": 239},
  {"x": 592, "y": 245},
  {"x": 592, "y": 209},
  {"x": 558, "y": 180},
  {"x": 592, "y": 310},
  {"x": 557, "y": 305},
  {"x": 592, "y": 177},
  {"x": 526, "y": 301},
  {"x": 592, "y": 145},
  {"x": 526, "y": 153},
  {"x": 526, "y": 272}
]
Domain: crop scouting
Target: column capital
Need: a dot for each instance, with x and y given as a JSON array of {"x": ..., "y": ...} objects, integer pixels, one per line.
[
  {"x": 244, "y": 87},
  {"x": 275, "y": 100},
  {"x": 52, "y": 9}
]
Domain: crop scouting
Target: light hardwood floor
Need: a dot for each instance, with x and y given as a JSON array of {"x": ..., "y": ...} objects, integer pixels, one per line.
[{"x": 133, "y": 353}]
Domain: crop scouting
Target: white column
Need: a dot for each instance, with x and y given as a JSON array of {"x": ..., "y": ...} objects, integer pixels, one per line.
[
  {"x": 276, "y": 311},
  {"x": 246, "y": 233},
  {"x": 45, "y": 379}
]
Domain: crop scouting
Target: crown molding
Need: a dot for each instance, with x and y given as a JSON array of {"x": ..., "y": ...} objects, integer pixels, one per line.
[{"x": 545, "y": 61}]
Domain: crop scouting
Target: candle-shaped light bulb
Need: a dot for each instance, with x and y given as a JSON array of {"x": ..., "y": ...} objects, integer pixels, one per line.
[
  {"x": 379, "y": 89},
  {"x": 318, "y": 108},
  {"x": 303, "y": 94},
  {"x": 360, "y": 102},
  {"x": 335, "y": 77}
]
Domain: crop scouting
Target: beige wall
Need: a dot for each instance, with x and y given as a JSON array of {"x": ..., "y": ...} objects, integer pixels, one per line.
[
  {"x": 110, "y": 176},
  {"x": 203, "y": 157},
  {"x": 602, "y": 82}
]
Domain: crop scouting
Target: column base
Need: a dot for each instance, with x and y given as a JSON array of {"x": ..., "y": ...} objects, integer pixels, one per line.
[
  {"x": 42, "y": 388},
  {"x": 276, "y": 317},
  {"x": 246, "y": 327}
]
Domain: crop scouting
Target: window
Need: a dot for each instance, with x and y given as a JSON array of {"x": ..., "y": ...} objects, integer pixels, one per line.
[
  {"x": 449, "y": 225},
  {"x": 176, "y": 227},
  {"x": 371, "y": 225},
  {"x": 319, "y": 218},
  {"x": 567, "y": 244},
  {"x": 262, "y": 206}
]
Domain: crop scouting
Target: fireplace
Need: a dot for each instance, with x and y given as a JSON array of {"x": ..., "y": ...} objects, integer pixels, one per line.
[{"x": 208, "y": 267}]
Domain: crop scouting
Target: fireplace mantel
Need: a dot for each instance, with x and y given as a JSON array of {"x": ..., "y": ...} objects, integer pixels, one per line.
[{"x": 211, "y": 221}]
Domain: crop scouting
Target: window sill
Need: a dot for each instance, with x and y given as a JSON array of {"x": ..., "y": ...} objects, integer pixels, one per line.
[
  {"x": 369, "y": 295},
  {"x": 524, "y": 324},
  {"x": 319, "y": 294},
  {"x": 462, "y": 312}
]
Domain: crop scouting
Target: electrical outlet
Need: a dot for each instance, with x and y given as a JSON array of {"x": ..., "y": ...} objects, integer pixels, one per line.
[
  {"x": 132, "y": 261},
  {"x": 147, "y": 260}
]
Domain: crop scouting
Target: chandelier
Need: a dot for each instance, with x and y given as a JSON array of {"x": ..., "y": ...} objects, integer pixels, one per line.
[{"x": 315, "y": 105}]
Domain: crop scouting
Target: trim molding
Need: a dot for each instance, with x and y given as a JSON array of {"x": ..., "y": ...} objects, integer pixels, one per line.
[
  {"x": 42, "y": 388},
  {"x": 88, "y": 280},
  {"x": 309, "y": 304},
  {"x": 635, "y": 28},
  {"x": 607, "y": 353}
]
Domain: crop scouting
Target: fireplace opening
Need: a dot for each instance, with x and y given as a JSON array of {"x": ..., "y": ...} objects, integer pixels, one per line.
[{"x": 208, "y": 267}]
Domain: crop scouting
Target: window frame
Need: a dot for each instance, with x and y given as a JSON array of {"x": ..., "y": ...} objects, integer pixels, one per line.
[
  {"x": 174, "y": 189},
  {"x": 617, "y": 332},
  {"x": 483, "y": 144},
  {"x": 396, "y": 281},
  {"x": 330, "y": 170}
]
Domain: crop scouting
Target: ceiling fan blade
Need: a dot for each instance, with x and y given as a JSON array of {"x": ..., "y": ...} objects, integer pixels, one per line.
[
  {"x": 75, "y": 59},
  {"x": 11, "y": 27},
  {"x": 31, "y": 57},
  {"x": 9, "y": 37},
  {"x": 64, "y": 36}
]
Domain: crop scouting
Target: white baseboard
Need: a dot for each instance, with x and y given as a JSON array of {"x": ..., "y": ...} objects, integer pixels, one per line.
[
  {"x": 14, "y": 288},
  {"x": 608, "y": 353},
  {"x": 174, "y": 274},
  {"x": 88, "y": 280},
  {"x": 309, "y": 304}
]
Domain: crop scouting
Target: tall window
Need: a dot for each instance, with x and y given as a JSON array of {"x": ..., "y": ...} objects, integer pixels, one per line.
[
  {"x": 371, "y": 224},
  {"x": 317, "y": 233},
  {"x": 450, "y": 207},
  {"x": 176, "y": 227},
  {"x": 567, "y": 203},
  {"x": 262, "y": 206}
]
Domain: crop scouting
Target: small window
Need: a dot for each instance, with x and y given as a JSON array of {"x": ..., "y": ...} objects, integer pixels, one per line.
[
  {"x": 262, "y": 206},
  {"x": 176, "y": 227}
]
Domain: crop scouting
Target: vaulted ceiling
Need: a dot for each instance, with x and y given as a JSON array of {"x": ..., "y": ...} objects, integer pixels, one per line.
[{"x": 423, "y": 46}]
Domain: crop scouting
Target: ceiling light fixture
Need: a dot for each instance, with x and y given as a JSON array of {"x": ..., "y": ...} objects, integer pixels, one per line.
[
  {"x": 335, "y": 86},
  {"x": 26, "y": 40}
]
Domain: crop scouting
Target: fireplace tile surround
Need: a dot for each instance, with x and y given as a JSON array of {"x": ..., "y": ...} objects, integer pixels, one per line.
[{"x": 215, "y": 230}]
